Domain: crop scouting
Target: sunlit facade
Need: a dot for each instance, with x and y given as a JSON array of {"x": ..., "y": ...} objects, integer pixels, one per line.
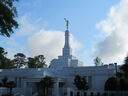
[{"x": 63, "y": 71}]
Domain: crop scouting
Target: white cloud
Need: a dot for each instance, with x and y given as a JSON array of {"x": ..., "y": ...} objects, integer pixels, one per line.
[
  {"x": 29, "y": 25},
  {"x": 115, "y": 27},
  {"x": 34, "y": 3},
  {"x": 38, "y": 41},
  {"x": 25, "y": 26},
  {"x": 11, "y": 53},
  {"x": 49, "y": 43}
]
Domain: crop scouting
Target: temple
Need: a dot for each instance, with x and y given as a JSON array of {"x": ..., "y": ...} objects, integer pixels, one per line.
[
  {"x": 67, "y": 59},
  {"x": 63, "y": 72}
]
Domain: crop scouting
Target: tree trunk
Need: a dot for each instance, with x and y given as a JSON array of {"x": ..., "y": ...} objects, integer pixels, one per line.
[
  {"x": 43, "y": 91},
  {"x": 47, "y": 91},
  {"x": 10, "y": 91}
]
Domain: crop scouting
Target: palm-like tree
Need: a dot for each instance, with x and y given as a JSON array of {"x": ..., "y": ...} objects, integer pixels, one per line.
[
  {"x": 45, "y": 84},
  {"x": 8, "y": 84},
  {"x": 81, "y": 82},
  {"x": 4, "y": 82}
]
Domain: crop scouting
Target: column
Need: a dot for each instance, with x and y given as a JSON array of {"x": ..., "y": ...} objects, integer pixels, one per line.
[{"x": 56, "y": 88}]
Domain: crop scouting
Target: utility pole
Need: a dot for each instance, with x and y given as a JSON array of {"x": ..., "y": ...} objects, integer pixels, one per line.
[{"x": 116, "y": 78}]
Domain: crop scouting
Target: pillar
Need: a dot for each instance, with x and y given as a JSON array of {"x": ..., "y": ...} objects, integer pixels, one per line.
[{"x": 56, "y": 88}]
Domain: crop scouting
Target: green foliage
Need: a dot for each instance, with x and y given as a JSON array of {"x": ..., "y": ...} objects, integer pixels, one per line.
[
  {"x": 5, "y": 63},
  {"x": 43, "y": 86},
  {"x": 124, "y": 67},
  {"x": 4, "y": 81},
  {"x": 8, "y": 84},
  {"x": 111, "y": 84},
  {"x": 8, "y": 13},
  {"x": 19, "y": 60},
  {"x": 31, "y": 62},
  {"x": 120, "y": 82},
  {"x": 2, "y": 51},
  {"x": 123, "y": 84},
  {"x": 6, "y": 95},
  {"x": 97, "y": 61},
  {"x": 81, "y": 83},
  {"x": 47, "y": 81},
  {"x": 126, "y": 60},
  {"x": 36, "y": 62}
]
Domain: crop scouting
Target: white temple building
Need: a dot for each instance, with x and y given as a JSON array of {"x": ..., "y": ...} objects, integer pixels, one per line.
[
  {"x": 62, "y": 70},
  {"x": 67, "y": 59}
]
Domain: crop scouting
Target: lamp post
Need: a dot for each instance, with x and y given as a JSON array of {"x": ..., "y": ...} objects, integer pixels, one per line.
[
  {"x": 116, "y": 68},
  {"x": 116, "y": 77}
]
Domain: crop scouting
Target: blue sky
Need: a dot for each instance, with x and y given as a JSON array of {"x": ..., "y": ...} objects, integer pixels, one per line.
[{"x": 90, "y": 26}]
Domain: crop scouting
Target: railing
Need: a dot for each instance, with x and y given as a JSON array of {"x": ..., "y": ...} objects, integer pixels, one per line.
[
  {"x": 105, "y": 93},
  {"x": 3, "y": 91},
  {"x": 64, "y": 92},
  {"x": 17, "y": 91}
]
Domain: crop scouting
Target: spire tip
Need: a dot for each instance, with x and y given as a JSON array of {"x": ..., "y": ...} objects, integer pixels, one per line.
[{"x": 67, "y": 23}]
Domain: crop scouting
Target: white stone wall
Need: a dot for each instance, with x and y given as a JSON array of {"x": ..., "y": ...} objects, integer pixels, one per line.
[{"x": 97, "y": 75}]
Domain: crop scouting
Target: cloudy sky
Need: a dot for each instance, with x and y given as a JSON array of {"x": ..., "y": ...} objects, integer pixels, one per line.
[{"x": 97, "y": 28}]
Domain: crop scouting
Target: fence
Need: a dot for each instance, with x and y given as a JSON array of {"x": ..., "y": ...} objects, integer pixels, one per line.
[
  {"x": 105, "y": 93},
  {"x": 3, "y": 91},
  {"x": 64, "y": 92},
  {"x": 17, "y": 91}
]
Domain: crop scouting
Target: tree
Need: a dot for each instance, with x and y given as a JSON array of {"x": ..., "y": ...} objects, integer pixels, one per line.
[
  {"x": 110, "y": 84},
  {"x": 97, "y": 61},
  {"x": 124, "y": 75},
  {"x": 36, "y": 62},
  {"x": 8, "y": 13},
  {"x": 31, "y": 62},
  {"x": 81, "y": 82},
  {"x": 5, "y": 63},
  {"x": 8, "y": 84},
  {"x": 121, "y": 80},
  {"x": 4, "y": 82},
  {"x": 124, "y": 67},
  {"x": 126, "y": 60},
  {"x": 19, "y": 60},
  {"x": 123, "y": 84},
  {"x": 46, "y": 83},
  {"x": 2, "y": 51}
]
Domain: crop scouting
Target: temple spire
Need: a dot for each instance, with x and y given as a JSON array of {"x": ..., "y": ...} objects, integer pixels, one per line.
[{"x": 67, "y": 49}]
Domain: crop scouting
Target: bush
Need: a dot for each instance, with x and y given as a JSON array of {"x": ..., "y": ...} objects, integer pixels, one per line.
[{"x": 7, "y": 95}]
